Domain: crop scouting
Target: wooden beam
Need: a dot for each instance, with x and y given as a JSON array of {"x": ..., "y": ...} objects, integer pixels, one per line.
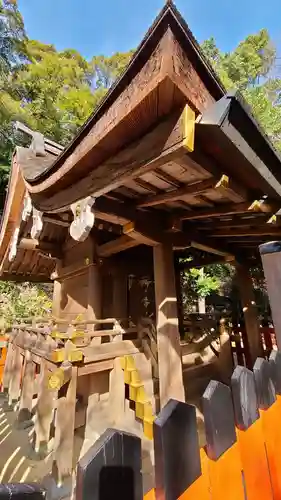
[
  {"x": 208, "y": 246},
  {"x": 257, "y": 221},
  {"x": 116, "y": 246},
  {"x": 170, "y": 139},
  {"x": 44, "y": 411},
  {"x": 230, "y": 189},
  {"x": 56, "y": 221},
  {"x": 40, "y": 246},
  {"x": 94, "y": 307},
  {"x": 224, "y": 185},
  {"x": 121, "y": 213},
  {"x": 230, "y": 209},
  {"x": 175, "y": 194},
  {"x": 64, "y": 430},
  {"x": 168, "y": 338},
  {"x": 143, "y": 235},
  {"x": 61, "y": 376},
  {"x": 102, "y": 225},
  {"x": 267, "y": 230},
  {"x": 27, "y": 390},
  {"x": 250, "y": 311},
  {"x": 15, "y": 382}
]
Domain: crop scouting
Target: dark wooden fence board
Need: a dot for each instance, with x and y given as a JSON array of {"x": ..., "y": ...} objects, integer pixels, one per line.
[
  {"x": 111, "y": 468},
  {"x": 245, "y": 400},
  {"x": 264, "y": 384},
  {"x": 21, "y": 491},
  {"x": 275, "y": 364},
  {"x": 219, "y": 419},
  {"x": 176, "y": 446}
]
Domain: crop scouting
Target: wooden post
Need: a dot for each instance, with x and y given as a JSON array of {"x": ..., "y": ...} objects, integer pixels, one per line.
[
  {"x": 44, "y": 413},
  {"x": 56, "y": 306},
  {"x": 179, "y": 301},
  {"x": 117, "y": 392},
  {"x": 202, "y": 300},
  {"x": 64, "y": 434},
  {"x": 111, "y": 468},
  {"x": 168, "y": 338},
  {"x": 94, "y": 298},
  {"x": 250, "y": 314},
  {"x": 225, "y": 361},
  {"x": 56, "y": 299},
  {"x": 8, "y": 369},
  {"x": 271, "y": 261},
  {"x": 27, "y": 391},
  {"x": 14, "y": 388},
  {"x": 120, "y": 299}
]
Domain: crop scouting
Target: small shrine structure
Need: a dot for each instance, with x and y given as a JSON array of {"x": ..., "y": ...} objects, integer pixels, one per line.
[{"x": 169, "y": 165}]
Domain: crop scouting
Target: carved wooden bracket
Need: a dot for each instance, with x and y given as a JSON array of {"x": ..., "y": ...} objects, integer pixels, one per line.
[
  {"x": 84, "y": 219},
  {"x": 14, "y": 245},
  {"x": 27, "y": 208},
  {"x": 37, "y": 224}
]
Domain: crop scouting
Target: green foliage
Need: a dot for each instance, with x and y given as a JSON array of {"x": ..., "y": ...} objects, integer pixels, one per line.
[
  {"x": 22, "y": 301},
  {"x": 249, "y": 68},
  {"x": 198, "y": 283},
  {"x": 202, "y": 283},
  {"x": 52, "y": 92},
  {"x": 12, "y": 53}
]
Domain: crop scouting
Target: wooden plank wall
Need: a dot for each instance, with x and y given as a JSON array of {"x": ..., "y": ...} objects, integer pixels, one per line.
[{"x": 241, "y": 458}]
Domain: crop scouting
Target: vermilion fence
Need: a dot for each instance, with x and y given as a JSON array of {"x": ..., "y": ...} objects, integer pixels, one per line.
[
  {"x": 239, "y": 343},
  {"x": 241, "y": 459}
]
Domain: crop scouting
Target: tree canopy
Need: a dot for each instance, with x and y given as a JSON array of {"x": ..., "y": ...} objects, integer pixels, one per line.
[{"x": 251, "y": 68}]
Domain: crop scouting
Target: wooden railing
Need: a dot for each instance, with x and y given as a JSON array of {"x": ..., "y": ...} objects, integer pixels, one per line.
[
  {"x": 239, "y": 344},
  {"x": 241, "y": 458}
]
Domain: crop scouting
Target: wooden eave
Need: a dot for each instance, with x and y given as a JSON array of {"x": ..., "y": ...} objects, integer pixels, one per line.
[
  {"x": 13, "y": 205},
  {"x": 28, "y": 265},
  {"x": 157, "y": 80},
  {"x": 232, "y": 137}
]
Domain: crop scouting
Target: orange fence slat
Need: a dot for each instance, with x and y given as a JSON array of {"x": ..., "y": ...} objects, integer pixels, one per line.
[
  {"x": 225, "y": 476},
  {"x": 254, "y": 462},
  {"x": 271, "y": 425}
]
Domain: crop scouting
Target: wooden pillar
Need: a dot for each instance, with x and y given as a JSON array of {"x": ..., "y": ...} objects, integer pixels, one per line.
[
  {"x": 179, "y": 301},
  {"x": 94, "y": 310},
  {"x": 56, "y": 308},
  {"x": 120, "y": 299},
  {"x": 27, "y": 391},
  {"x": 202, "y": 300},
  {"x": 56, "y": 299},
  {"x": 64, "y": 433},
  {"x": 117, "y": 392},
  {"x": 44, "y": 412},
  {"x": 168, "y": 338},
  {"x": 252, "y": 327},
  {"x": 14, "y": 388},
  {"x": 271, "y": 260},
  {"x": 8, "y": 369}
]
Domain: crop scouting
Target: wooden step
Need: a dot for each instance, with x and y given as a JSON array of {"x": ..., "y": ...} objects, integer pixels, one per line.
[{"x": 111, "y": 350}]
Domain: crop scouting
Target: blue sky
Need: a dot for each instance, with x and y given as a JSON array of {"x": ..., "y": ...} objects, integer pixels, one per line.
[{"x": 106, "y": 26}]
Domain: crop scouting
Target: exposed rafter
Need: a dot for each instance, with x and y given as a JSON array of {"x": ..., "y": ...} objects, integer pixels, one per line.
[
  {"x": 190, "y": 189},
  {"x": 269, "y": 207},
  {"x": 116, "y": 246},
  {"x": 268, "y": 230},
  {"x": 40, "y": 246}
]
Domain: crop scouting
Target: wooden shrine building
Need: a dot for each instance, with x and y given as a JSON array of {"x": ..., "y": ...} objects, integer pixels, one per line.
[{"x": 168, "y": 165}]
